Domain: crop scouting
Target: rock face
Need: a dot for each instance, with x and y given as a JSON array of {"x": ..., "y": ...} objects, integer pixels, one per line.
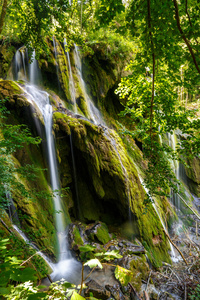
[
  {"x": 193, "y": 174},
  {"x": 99, "y": 176},
  {"x": 103, "y": 181},
  {"x": 7, "y": 52}
]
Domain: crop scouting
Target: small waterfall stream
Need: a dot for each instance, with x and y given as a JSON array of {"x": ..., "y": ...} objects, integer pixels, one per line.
[
  {"x": 94, "y": 113},
  {"x": 71, "y": 80},
  {"x": 174, "y": 257}
]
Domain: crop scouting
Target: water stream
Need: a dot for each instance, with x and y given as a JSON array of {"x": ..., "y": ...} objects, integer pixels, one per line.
[
  {"x": 94, "y": 113},
  {"x": 67, "y": 267},
  {"x": 71, "y": 80},
  {"x": 174, "y": 257}
]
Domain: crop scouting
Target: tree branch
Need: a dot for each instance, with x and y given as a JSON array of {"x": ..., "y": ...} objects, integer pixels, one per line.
[
  {"x": 184, "y": 37},
  {"x": 187, "y": 13},
  {"x": 3, "y": 14}
]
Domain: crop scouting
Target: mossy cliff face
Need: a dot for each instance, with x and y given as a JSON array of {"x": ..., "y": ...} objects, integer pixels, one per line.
[
  {"x": 55, "y": 73},
  {"x": 7, "y": 52},
  {"x": 193, "y": 173},
  {"x": 104, "y": 182},
  {"x": 35, "y": 211},
  {"x": 102, "y": 75}
]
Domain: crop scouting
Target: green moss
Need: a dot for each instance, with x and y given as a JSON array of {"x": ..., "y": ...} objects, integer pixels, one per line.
[
  {"x": 101, "y": 234},
  {"x": 17, "y": 243},
  {"x": 9, "y": 89},
  {"x": 6, "y": 55},
  {"x": 78, "y": 241}
]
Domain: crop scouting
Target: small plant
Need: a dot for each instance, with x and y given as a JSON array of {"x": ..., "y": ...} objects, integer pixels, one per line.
[{"x": 195, "y": 294}]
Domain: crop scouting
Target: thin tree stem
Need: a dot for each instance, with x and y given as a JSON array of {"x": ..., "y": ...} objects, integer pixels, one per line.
[
  {"x": 3, "y": 14},
  {"x": 184, "y": 37}
]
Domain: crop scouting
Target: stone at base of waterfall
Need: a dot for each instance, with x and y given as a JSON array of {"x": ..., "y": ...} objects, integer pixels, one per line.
[{"x": 97, "y": 290}]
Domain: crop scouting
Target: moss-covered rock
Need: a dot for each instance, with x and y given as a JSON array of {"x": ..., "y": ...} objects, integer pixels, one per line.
[
  {"x": 193, "y": 173},
  {"x": 7, "y": 52},
  {"x": 106, "y": 180},
  {"x": 99, "y": 232},
  {"x": 21, "y": 249}
]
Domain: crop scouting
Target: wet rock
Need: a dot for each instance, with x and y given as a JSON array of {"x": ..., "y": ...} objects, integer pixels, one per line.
[
  {"x": 115, "y": 292},
  {"x": 97, "y": 290},
  {"x": 99, "y": 232},
  {"x": 151, "y": 291}
]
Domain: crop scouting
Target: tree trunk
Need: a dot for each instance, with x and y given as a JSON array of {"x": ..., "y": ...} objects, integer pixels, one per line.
[{"x": 3, "y": 14}]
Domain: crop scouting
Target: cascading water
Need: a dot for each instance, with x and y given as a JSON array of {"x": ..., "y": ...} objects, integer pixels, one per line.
[
  {"x": 35, "y": 76},
  {"x": 71, "y": 81},
  {"x": 174, "y": 257},
  {"x": 175, "y": 166},
  {"x": 94, "y": 113},
  {"x": 97, "y": 119},
  {"x": 67, "y": 267},
  {"x": 16, "y": 225}
]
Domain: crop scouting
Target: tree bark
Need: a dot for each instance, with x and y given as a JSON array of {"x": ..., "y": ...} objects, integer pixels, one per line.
[
  {"x": 184, "y": 37},
  {"x": 3, "y": 14}
]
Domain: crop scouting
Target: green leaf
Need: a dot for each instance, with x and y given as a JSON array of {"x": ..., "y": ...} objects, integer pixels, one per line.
[
  {"x": 112, "y": 254},
  {"x": 87, "y": 248},
  {"x": 67, "y": 285},
  {"x": 4, "y": 291},
  {"x": 36, "y": 296},
  {"x": 123, "y": 275},
  {"x": 76, "y": 296},
  {"x": 93, "y": 263}
]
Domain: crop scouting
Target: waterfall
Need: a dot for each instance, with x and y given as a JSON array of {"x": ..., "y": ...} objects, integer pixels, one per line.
[
  {"x": 67, "y": 267},
  {"x": 94, "y": 113},
  {"x": 16, "y": 225},
  {"x": 19, "y": 65},
  {"x": 175, "y": 166},
  {"x": 71, "y": 80},
  {"x": 174, "y": 257},
  {"x": 24, "y": 237}
]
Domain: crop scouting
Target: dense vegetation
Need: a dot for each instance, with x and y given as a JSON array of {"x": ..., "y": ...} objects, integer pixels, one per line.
[{"x": 162, "y": 41}]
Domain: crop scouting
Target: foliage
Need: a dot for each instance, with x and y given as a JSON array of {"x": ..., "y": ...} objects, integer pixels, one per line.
[
  {"x": 150, "y": 93},
  {"x": 11, "y": 269},
  {"x": 13, "y": 138},
  {"x": 112, "y": 43},
  {"x": 107, "y": 10},
  {"x": 123, "y": 275}
]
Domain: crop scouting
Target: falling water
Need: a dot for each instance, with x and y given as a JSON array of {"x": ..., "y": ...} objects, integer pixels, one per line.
[
  {"x": 35, "y": 76},
  {"x": 71, "y": 80},
  {"x": 16, "y": 225},
  {"x": 18, "y": 68},
  {"x": 92, "y": 110},
  {"x": 174, "y": 257},
  {"x": 24, "y": 237},
  {"x": 67, "y": 267},
  {"x": 175, "y": 166}
]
